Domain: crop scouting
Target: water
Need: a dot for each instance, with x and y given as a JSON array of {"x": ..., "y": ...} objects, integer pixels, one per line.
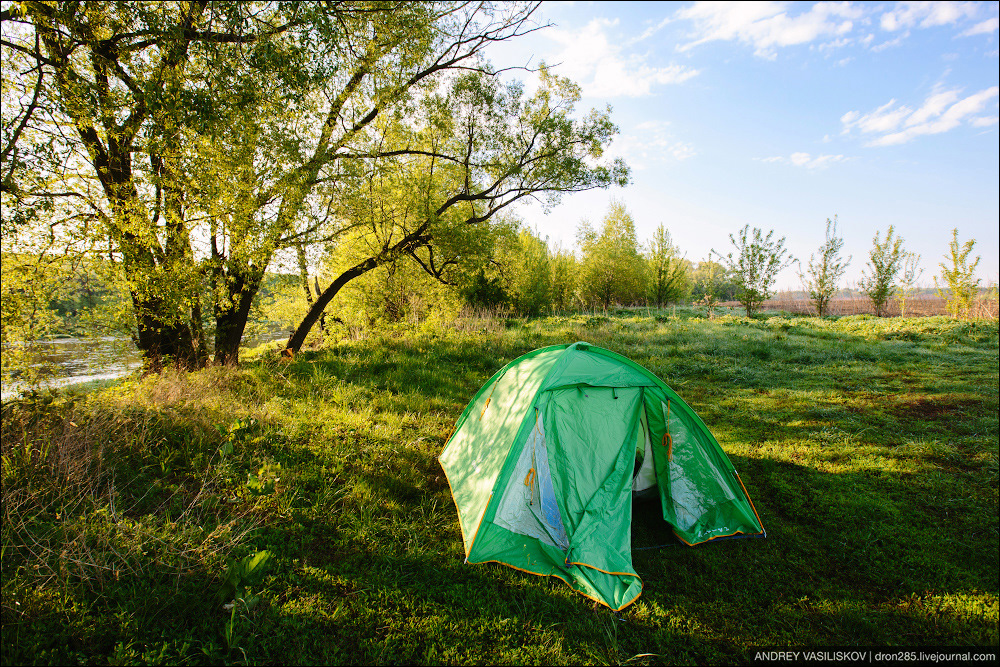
[{"x": 76, "y": 360}]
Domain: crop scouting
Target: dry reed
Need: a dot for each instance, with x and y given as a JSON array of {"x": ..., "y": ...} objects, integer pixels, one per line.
[{"x": 985, "y": 307}]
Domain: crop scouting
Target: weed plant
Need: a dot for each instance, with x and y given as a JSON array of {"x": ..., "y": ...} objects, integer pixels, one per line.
[{"x": 296, "y": 513}]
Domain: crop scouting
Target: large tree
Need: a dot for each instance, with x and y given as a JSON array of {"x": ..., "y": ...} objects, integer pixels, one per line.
[
  {"x": 387, "y": 64},
  {"x": 475, "y": 147},
  {"x": 126, "y": 93},
  {"x": 218, "y": 131}
]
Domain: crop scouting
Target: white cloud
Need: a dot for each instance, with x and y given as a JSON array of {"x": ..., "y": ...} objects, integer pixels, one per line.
[
  {"x": 883, "y": 119},
  {"x": 927, "y": 14},
  {"x": 943, "y": 110},
  {"x": 682, "y": 151},
  {"x": 652, "y": 30},
  {"x": 985, "y": 121},
  {"x": 769, "y": 25},
  {"x": 766, "y": 25},
  {"x": 806, "y": 161},
  {"x": 891, "y": 43},
  {"x": 836, "y": 44},
  {"x": 983, "y": 28},
  {"x": 603, "y": 69},
  {"x": 650, "y": 142}
]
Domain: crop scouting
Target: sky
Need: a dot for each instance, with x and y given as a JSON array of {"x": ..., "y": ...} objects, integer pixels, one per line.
[{"x": 782, "y": 115}]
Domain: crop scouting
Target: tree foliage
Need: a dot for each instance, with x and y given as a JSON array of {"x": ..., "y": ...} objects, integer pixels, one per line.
[
  {"x": 756, "y": 265},
  {"x": 527, "y": 273},
  {"x": 711, "y": 285},
  {"x": 565, "y": 276},
  {"x": 612, "y": 271},
  {"x": 476, "y": 148},
  {"x": 822, "y": 277},
  {"x": 959, "y": 276},
  {"x": 485, "y": 292},
  {"x": 878, "y": 280},
  {"x": 202, "y": 140},
  {"x": 713, "y": 281},
  {"x": 669, "y": 277}
]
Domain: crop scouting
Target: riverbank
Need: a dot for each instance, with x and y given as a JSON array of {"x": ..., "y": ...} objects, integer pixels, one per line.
[
  {"x": 296, "y": 513},
  {"x": 61, "y": 362},
  {"x": 88, "y": 362}
]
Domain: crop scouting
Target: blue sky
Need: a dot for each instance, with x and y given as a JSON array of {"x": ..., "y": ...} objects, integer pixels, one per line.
[{"x": 781, "y": 115}]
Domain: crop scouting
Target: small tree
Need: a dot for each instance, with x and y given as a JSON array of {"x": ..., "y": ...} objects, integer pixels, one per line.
[
  {"x": 710, "y": 278},
  {"x": 756, "y": 265},
  {"x": 908, "y": 283},
  {"x": 879, "y": 280},
  {"x": 821, "y": 277},
  {"x": 668, "y": 275},
  {"x": 958, "y": 275}
]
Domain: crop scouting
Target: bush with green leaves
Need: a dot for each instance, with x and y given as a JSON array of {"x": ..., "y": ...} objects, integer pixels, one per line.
[
  {"x": 756, "y": 265},
  {"x": 669, "y": 279},
  {"x": 824, "y": 272},
  {"x": 878, "y": 281},
  {"x": 960, "y": 278}
]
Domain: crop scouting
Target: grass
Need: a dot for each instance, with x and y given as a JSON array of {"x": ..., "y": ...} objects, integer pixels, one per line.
[{"x": 296, "y": 512}]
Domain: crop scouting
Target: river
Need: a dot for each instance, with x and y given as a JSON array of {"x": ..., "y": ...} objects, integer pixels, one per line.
[{"x": 77, "y": 360}]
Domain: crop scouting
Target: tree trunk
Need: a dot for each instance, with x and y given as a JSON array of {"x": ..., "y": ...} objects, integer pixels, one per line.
[
  {"x": 412, "y": 240},
  {"x": 198, "y": 333},
  {"x": 297, "y": 338},
  {"x": 161, "y": 343},
  {"x": 231, "y": 317},
  {"x": 304, "y": 277},
  {"x": 322, "y": 315}
]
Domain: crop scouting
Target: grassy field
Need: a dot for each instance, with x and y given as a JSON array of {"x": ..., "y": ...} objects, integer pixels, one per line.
[{"x": 296, "y": 512}]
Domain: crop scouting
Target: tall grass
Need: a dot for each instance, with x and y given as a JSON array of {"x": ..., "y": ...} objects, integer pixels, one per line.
[{"x": 295, "y": 512}]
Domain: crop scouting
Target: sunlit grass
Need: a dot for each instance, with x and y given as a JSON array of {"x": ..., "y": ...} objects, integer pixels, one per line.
[{"x": 869, "y": 447}]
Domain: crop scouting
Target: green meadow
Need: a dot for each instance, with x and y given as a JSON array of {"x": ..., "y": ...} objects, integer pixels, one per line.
[{"x": 295, "y": 512}]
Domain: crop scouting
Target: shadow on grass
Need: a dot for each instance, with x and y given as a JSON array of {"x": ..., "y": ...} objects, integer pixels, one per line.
[
  {"x": 843, "y": 563},
  {"x": 871, "y": 538}
]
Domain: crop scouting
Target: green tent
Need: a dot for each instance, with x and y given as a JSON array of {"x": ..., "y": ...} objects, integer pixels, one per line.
[{"x": 544, "y": 461}]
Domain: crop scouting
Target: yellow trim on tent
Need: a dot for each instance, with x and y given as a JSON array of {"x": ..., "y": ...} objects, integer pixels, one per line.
[
  {"x": 714, "y": 537},
  {"x": 752, "y": 506},
  {"x": 560, "y": 578},
  {"x": 458, "y": 509},
  {"x": 624, "y": 574},
  {"x": 478, "y": 526},
  {"x": 488, "y": 399}
]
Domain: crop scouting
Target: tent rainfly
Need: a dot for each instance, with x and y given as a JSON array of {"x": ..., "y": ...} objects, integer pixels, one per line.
[{"x": 545, "y": 459}]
